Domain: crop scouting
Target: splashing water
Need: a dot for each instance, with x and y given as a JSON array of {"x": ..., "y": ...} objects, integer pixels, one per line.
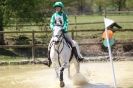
[{"x": 96, "y": 75}]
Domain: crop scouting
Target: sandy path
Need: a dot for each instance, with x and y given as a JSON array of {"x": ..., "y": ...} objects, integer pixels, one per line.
[{"x": 99, "y": 75}]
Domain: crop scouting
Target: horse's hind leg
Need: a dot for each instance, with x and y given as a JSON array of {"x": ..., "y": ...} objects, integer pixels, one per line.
[{"x": 62, "y": 84}]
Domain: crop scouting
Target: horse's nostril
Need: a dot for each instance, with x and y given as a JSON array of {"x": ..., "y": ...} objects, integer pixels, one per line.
[{"x": 56, "y": 42}]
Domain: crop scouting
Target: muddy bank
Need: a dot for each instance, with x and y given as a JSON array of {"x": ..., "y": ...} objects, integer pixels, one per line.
[
  {"x": 23, "y": 62},
  {"x": 119, "y": 49}
]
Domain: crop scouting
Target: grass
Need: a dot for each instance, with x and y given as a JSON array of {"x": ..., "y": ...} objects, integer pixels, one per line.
[
  {"x": 11, "y": 58},
  {"x": 83, "y": 19},
  {"x": 123, "y": 35},
  {"x": 118, "y": 35},
  {"x": 96, "y": 18}
]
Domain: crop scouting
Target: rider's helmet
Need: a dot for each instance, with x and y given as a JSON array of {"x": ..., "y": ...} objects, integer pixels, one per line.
[{"x": 58, "y": 4}]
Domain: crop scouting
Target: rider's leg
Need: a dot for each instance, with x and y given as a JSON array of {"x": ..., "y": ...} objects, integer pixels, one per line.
[
  {"x": 75, "y": 47},
  {"x": 77, "y": 51}
]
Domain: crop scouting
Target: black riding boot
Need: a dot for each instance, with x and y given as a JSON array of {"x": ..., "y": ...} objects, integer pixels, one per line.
[
  {"x": 49, "y": 60},
  {"x": 76, "y": 54}
]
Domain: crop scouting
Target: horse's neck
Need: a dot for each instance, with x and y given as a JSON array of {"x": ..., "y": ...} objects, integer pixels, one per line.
[{"x": 60, "y": 46}]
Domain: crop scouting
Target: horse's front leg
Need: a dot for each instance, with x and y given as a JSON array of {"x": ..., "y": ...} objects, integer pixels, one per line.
[
  {"x": 77, "y": 66},
  {"x": 57, "y": 72},
  {"x": 62, "y": 84},
  {"x": 69, "y": 72}
]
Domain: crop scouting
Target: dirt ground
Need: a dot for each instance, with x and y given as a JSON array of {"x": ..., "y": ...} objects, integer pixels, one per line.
[{"x": 99, "y": 75}]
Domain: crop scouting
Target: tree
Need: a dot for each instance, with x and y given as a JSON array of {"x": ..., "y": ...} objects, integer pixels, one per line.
[
  {"x": 129, "y": 4},
  {"x": 119, "y": 4},
  {"x": 4, "y": 14},
  {"x": 23, "y": 11},
  {"x": 101, "y": 4}
]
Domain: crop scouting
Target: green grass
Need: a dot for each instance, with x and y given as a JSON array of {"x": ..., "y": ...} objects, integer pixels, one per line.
[
  {"x": 96, "y": 18},
  {"x": 123, "y": 35},
  {"x": 83, "y": 19},
  {"x": 118, "y": 35},
  {"x": 11, "y": 58}
]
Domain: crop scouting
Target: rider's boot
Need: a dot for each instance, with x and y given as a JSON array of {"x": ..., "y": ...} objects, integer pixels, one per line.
[
  {"x": 78, "y": 57},
  {"x": 49, "y": 60}
]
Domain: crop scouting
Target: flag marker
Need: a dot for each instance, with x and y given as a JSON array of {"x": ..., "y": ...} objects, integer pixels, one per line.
[{"x": 109, "y": 22}]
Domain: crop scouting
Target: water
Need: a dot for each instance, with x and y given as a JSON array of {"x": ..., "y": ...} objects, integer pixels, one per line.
[{"x": 99, "y": 75}]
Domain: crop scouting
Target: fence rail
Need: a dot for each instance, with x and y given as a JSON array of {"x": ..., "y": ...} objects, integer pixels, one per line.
[
  {"x": 119, "y": 12},
  {"x": 83, "y": 23}
]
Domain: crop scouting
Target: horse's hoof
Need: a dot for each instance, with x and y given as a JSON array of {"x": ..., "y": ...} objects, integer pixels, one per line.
[
  {"x": 80, "y": 59},
  {"x": 49, "y": 63},
  {"x": 62, "y": 84}
]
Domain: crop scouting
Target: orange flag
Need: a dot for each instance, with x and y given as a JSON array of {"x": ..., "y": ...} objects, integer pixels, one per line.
[{"x": 110, "y": 34}]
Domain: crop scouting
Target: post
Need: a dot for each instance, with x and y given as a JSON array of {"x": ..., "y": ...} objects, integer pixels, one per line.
[
  {"x": 72, "y": 33},
  {"x": 110, "y": 57},
  {"x": 105, "y": 13},
  {"x": 75, "y": 25},
  {"x": 33, "y": 46},
  {"x": 75, "y": 22}
]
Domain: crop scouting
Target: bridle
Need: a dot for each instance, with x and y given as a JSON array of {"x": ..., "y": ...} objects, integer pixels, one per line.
[{"x": 57, "y": 44}]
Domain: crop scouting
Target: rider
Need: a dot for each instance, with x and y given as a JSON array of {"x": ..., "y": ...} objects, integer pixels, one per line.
[{"x": 59, "y": 18}]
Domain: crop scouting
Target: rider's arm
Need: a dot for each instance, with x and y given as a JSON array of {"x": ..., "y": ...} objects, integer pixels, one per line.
[
  {"x": 65, "y": 26},
  {"x": 52, "y": 20}
]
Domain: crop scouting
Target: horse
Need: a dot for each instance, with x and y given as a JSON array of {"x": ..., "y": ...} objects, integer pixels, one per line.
[{"x": 61, "y": 54}]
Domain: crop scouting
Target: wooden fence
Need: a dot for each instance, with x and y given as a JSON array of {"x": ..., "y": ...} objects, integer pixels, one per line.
[{"x": 33, "y": 45}]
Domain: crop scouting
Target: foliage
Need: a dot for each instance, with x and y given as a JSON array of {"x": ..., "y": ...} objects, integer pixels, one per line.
[
  {"x": 129, "y": 4},
  {"x": 22, "y": 40},
  {"x": 22, "y": 11}
]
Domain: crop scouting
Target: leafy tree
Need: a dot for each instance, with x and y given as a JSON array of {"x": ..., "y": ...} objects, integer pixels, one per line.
[
  {"x": 129, "y": 4},
  {"x": 23, "y": 11},
  {"x": 101, "y": 4},
  {"x": 119, "y": 4},
  {"x": 4, "y": 16}
]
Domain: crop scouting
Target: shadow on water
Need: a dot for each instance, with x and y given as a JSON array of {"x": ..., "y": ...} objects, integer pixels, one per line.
[{"x": 98, "y": 85}]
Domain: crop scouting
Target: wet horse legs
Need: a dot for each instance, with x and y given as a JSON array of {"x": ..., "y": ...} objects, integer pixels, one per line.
[{"x": 62, "y": 84}]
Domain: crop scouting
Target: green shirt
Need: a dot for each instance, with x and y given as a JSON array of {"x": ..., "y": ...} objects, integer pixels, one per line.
[{"x": 64, "y": 23}]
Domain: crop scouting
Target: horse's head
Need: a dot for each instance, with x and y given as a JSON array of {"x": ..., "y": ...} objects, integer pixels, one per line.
[{"x": 57, "y": 34}]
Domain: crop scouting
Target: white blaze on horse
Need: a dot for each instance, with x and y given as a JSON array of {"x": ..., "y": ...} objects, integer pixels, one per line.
[{"x": 61, "y": 54}]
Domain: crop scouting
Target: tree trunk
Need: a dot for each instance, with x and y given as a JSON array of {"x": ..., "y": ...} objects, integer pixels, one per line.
[
  {"x": 81, "y": 6},
  {"x": 100, "y": 9},
  {"x": 119, "y": 5},
  {"x": 2, "y": 42}
]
